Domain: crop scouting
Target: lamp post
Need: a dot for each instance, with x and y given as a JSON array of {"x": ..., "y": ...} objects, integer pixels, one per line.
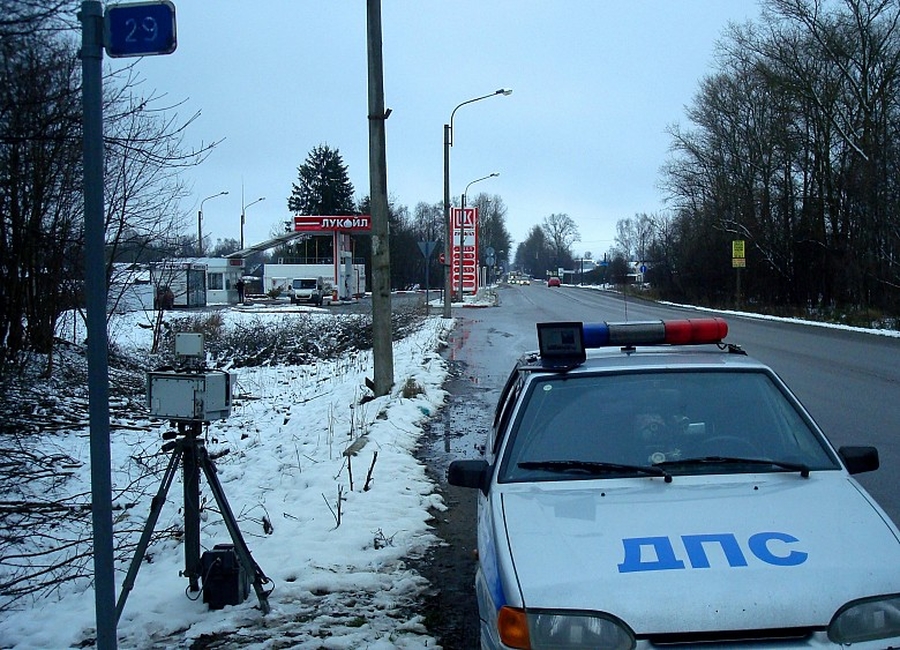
[
  {"x": 448, "y": 248},
  {"x": 200, "y": 221},
  {"x": 243, "y": 212},
  {"x": 462, "y": 230}
]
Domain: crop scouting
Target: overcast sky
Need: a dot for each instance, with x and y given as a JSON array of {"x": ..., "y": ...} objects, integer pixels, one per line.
[{"x": 595, "y": 84}]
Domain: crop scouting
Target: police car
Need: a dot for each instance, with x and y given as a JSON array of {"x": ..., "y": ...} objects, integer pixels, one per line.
[{"x": 646, "y": 485}]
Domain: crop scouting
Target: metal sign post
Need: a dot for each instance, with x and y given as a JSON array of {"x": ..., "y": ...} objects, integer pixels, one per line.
[
  {"x": 91, "y": 17},
  {"x": 489, "y": 261},
  {"x": 738, "y": 262},
  {"x": 128, "y": 30},
  {"x": 427, "y": 248}
]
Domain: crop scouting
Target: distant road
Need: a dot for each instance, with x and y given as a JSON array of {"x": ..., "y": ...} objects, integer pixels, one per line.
[{"x": 849, "y": 381}]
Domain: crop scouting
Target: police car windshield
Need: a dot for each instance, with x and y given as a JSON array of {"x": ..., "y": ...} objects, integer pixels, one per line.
[{"x": 657, "y": 418}]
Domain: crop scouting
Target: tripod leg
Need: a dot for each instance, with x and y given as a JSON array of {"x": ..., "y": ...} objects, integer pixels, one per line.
[
  {"x": 240, "y": 546},
  {"x": 155, "y": 508},
  {"x": 191, "y": 506}
]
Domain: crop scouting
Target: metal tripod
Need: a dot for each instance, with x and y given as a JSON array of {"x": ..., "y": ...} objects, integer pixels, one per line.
[{"x": 190, "y": 450}]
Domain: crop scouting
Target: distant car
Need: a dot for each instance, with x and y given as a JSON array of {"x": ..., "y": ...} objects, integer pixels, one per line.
[
  {"x": 553, "y": 281},
  {"x": 310, "y": 290},
  {"x": 666, "y": 490}
]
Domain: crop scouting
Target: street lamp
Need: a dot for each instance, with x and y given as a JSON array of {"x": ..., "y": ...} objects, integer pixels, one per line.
[
  {"x": 200, "y": 222},
  {"x": 448, "y": 228},
  {"x": 462, "y": 230},
  {"x": 243, "y": 212}
]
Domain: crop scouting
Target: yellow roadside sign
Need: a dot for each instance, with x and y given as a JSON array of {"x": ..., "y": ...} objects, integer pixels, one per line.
[{"x": 737, "y": 249}]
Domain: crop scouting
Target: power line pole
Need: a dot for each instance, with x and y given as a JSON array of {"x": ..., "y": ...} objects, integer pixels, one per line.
[{"x": 381, "y": 260}]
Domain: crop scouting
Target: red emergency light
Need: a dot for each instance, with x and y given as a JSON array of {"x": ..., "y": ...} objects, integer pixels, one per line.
[{"x": 691, "y": 331}]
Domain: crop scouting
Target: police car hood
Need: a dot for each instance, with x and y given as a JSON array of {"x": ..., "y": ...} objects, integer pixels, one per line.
[{"x": 701, "y": 553}]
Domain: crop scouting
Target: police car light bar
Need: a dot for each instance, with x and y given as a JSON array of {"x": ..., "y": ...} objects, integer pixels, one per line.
[
  {"x": 694, "y": 331},
  {"x": 565, "y": 343}
]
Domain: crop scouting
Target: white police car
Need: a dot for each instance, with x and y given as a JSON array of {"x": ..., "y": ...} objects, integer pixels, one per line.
[{"x": 649, "y": 495}]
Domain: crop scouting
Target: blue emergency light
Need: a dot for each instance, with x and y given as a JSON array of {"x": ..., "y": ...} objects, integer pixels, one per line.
[{"x": 567, "y": 341}]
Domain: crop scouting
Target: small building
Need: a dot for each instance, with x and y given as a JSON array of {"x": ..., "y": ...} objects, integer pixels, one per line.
[
  {"x": 222, "y": 276},
  {"x": 196, "y": 282},
  {"x": 178, "y": 284}
]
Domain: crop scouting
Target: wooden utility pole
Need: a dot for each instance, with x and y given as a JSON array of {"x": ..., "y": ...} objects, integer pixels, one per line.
[{"x": 381, "y": 259}]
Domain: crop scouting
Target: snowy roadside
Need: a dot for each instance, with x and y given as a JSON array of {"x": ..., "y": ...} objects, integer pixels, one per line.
[{"x": 281, "y": 462}]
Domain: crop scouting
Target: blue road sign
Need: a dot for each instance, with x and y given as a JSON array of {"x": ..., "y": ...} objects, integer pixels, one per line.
[{"x": 140, "y": 29}]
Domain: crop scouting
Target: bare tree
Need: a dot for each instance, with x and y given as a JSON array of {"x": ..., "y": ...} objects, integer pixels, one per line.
[
  {"x": 492, "y": 232},
  {"x": 794, "y": 150},
  {"x": 145, "y": 153},
  {"x": 634, "y": 236},
  {"x": 39, "y": 190},
  {"x": 30, "y": 17},
  {"x": 561, "y": 232},
  {"x": 40, "y": 181},
  {"x": 225, "y": 246}
]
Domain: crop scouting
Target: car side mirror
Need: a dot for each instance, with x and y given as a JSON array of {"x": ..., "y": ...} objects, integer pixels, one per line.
[
  {"x": 470, "y": 474},
  {"x": 859, "y": 459}
]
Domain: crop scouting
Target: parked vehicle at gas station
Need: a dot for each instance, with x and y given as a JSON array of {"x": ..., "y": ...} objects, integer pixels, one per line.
[{"x": 309, "y": 290}]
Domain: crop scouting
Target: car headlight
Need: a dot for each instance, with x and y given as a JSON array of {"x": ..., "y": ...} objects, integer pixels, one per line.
[
  {"x": 866, "y": 620},
  {"x": 562, "y": 630}
]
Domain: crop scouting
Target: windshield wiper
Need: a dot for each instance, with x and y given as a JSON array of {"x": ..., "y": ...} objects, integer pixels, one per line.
[
  {"x": 732, "y": 460},
  {"x": 594, "y": 467}
]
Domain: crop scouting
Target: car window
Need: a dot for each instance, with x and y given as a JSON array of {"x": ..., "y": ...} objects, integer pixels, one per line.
[
  {"x": 505, "y": 406},
  {"x": 643, "y": 418}
]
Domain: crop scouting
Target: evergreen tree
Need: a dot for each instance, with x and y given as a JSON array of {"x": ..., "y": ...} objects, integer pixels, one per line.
[{"x": 323, "y": 186}]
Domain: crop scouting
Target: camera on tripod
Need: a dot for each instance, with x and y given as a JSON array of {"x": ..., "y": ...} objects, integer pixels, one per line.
[{"x": 191, "y": 393}]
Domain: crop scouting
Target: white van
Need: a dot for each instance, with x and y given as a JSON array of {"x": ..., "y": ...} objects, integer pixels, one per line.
[{"x": 309, "y": 290}]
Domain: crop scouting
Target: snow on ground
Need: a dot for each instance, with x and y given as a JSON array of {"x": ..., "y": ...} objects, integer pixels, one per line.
[{"x": 335, "y": 586}]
